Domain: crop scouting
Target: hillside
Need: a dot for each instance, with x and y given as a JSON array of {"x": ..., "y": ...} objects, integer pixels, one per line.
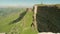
[{"x": 17, "y": 21}]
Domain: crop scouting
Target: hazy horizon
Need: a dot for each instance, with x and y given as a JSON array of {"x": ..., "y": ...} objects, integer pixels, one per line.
[{"x": 26, "y": 3}]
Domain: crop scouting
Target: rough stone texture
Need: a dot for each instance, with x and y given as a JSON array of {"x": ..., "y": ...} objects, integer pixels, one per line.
[
  {"x": 48, "y": 19},
  {"x": 34, "y": 17}
]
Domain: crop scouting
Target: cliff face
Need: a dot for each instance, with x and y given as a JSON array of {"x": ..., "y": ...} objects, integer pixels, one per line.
[{"x": 48, "y": 19}]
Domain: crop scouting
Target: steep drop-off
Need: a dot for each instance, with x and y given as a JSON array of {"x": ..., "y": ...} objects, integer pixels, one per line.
[{"x": 48, "y": 19}]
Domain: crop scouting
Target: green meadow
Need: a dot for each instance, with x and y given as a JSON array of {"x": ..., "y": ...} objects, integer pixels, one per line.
[{"x": 16, "y": 21}]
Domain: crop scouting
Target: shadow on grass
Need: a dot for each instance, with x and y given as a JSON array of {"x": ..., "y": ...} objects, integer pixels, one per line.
[
  {"x": 19, "y": 18},
  {"x": 48, "y": 19}
]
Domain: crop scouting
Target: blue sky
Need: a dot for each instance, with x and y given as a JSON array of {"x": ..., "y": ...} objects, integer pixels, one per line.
[{"x": 26, "y": 2}]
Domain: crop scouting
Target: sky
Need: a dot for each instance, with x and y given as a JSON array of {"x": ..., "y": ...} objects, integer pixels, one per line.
[{"x": 27, "y": 3}]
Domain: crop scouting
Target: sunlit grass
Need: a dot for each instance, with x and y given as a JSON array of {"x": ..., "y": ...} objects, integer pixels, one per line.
[{"x": 22, "y": 27}]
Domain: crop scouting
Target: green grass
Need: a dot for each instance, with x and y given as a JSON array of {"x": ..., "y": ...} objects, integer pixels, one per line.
[
  {"x": 27, "y": 24},
  {"x": 21, "y": 27},
  {"x": 4, "y": 27},
  {"x": 24, "y": 26}
]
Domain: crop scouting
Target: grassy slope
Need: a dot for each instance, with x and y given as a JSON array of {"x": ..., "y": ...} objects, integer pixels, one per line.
[
  {"x": 4, "y": 27},
  {"x": 5, "y": 20},
  {"x": 22, "y": 27},
  {"x": 27, "y": 24}
]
